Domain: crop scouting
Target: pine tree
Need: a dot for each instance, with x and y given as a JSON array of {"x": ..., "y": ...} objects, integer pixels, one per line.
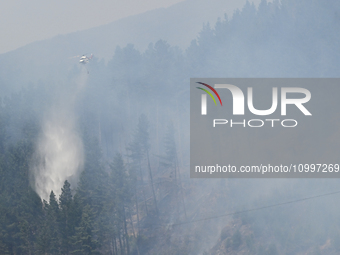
[
  {"x": 84, "y": 241},
  {"x": 43, "y": 239},
  {"x": 48, "y": 240},
  {"x": 170, "y": 161},
  {"x": 93, "y": 179},
  {"x": 120, "y": 186},
  {"x": 67, "y": 217},
  {"x": 139, "y": 152},
  {"x": 53, "y": 221},
  {"x": 144, "y": 141}
]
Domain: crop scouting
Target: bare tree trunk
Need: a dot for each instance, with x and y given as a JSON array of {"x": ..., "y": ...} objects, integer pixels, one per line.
[
  {"x": 120, "y": 244},
  {"x": 141, "y": 177},
  {"x": 133, "y": 230},
  {"x": 150, "y": 175},
  {"x": 157, "y": 131},
  {"x": 179, "y": 134},
  {"x": 115, "y": 245},
  {"x": 124, "y": 240},
  {"x": 99, "y": 131},
  {"x": 181, "y": 189},
  {"x": 176, "y": 191},
  {"x": 137, "y": 211},
  {"x": 126, "y": 233},
  {"x": 111, "y": 248}
]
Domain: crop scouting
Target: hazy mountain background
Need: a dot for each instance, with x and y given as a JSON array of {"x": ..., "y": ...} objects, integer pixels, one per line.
[{"x": 51, "y": 59}]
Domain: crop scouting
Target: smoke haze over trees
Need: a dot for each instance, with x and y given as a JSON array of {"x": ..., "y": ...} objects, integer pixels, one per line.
[{"x": 132, "y": 116}]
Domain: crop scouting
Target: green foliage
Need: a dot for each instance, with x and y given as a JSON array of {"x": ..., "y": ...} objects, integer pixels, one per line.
[
  {"x": 84, "y": 241},
  {"x": 68, "y": 217},
  {"x": 139, "y": 153},
  {"x": 141, "y": 142},
  {"x": 169, "y": 160},
  {"x": 53, "y": 221},
  {"x": 93, "y": 179}
]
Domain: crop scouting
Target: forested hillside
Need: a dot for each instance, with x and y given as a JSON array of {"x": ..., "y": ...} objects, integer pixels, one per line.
[{"x": 133, "y": 194}]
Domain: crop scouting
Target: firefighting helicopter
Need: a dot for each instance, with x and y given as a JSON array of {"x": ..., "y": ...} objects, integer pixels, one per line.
[{"x": 84, "y": 59}]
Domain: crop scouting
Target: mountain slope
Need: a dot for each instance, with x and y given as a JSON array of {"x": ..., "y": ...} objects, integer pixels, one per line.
[{"x": 50, "y": 59}]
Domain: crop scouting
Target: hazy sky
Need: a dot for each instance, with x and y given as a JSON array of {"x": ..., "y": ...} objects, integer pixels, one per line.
[{"x": 25, "y": 21}]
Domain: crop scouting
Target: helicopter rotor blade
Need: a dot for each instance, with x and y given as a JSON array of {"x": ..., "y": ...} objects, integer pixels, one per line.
[{"x": 74, "y": 57}]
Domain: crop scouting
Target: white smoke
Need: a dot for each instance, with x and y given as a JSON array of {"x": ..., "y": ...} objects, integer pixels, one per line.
[{"x": 59, "y": 152}]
